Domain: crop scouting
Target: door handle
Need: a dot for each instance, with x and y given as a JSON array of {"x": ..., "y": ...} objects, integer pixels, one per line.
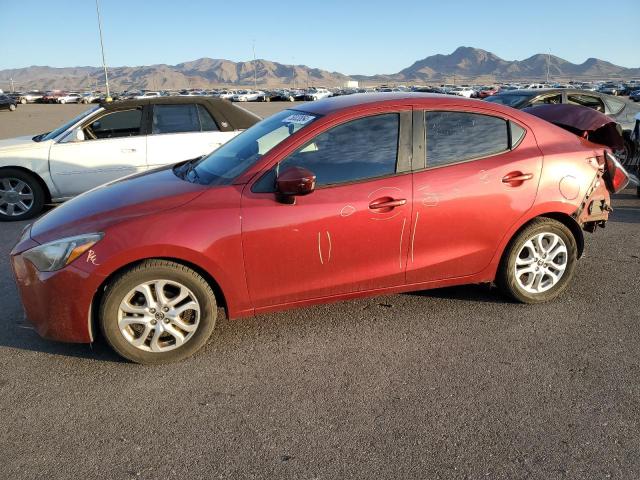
[
  {"x": 517, "y": 177},
  {"x": 386, "y": 203},
  {"x": 127, "y": 150}
]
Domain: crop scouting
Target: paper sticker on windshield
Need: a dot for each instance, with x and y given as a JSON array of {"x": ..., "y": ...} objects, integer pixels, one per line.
[{"x": 298, "y": 119}]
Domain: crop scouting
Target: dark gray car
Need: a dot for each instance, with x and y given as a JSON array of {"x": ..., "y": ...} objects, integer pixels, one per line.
[{"x": 621, "y": 110}]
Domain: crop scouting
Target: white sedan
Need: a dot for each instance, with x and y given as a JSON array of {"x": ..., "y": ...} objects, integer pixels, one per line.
[
  {"x": 70, "y": 98},
  {"x": 110, "y": 141},
  {"x": 462, "y": 92},
  {"x": 247, "y": 96}
]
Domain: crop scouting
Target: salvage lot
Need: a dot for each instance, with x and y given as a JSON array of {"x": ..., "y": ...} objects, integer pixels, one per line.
[{"x": 451, "y": 383}]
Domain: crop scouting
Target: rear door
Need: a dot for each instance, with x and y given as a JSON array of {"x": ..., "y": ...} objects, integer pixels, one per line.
[
  {"x": 479, "y": 176},
  {"x": 113, "y": 147},
  {"x": 182, "y": 132}
]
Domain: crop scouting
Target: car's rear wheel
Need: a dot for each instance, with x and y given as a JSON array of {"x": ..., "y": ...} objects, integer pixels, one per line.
[
  {"x": 539, "y": 262},
  {"x": 158, "y": 312},
  {"x": 61, "y": 101},
  {"x": 21, "y": 195},
  {"x": 23, "y": 101},
  {"x": 12, "y": 107}
]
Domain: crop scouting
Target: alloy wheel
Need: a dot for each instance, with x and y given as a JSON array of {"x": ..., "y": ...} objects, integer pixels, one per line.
[
  {"x": 16, "y": 197},
  {"x": 159, "y": 315},
  {"x": 541, "y": 262}
]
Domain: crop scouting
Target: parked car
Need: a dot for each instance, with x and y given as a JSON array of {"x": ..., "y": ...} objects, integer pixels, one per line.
[
  {"x": 110, "y": 141},
  {"x": 283, "y": 96},
  {"x": 621, "y": 110},
  {"x": 89, "y": 97},
  {"x": 612, "y": 89},
  {"x": 484, "y": 92},
  {"x": 315, "y": 205},
  {"x": 30, "y": 97},
  {"x": 635, "y": 96},
  {"x": 462, "y": 92},
  {"x": 248, "y": 96},
  {"x": 69, "y": 98},
  {"x": 53, "y": 96},
  {"x": 147, "y": 95},
  {"x": 7, "y": 103},
  {"x": 316, "y": 93}
]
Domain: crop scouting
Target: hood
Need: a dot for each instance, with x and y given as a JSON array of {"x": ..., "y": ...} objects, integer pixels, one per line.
[
  {"x": 10, "y": 144},
  {"x": 127, "y": 198},
  {"x": 583, "y": 121}
]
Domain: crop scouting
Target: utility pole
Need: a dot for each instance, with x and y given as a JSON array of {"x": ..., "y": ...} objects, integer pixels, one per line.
[
  {"x": 548, "y": 61},
  {"x": 104, "y": 63},
  {"x": 12, "y": 90},
  {"x": 255, "y": 73}
]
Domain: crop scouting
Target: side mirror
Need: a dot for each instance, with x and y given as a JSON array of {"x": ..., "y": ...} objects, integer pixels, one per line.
[
  {"x": 78, "y": 135},
  {"x": 294, "y": 182}
]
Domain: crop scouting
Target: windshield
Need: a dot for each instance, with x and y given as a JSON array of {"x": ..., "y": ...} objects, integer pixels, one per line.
[
  {"x": 514, "y": 101},
  {"x": 243, "y": 151},
  {"x": 65, "y": 127}
]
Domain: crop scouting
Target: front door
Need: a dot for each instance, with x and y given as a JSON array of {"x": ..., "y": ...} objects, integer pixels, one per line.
[
  {"x": 113, "y": 147},
  {"x": 350, "y": 234},
  {"x": 480, "y": 177}
]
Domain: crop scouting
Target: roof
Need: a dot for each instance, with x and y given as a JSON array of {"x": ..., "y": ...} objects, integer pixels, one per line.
[
  {"x": 223, "y": 110},
  {"x": 334, "y": 104}
]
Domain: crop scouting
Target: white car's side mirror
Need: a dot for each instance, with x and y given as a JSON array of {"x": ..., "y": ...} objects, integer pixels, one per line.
[{"x": 77, "y": 135}]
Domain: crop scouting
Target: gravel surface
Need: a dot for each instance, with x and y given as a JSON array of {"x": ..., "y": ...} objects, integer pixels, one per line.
[{"x": 449, "y": 383}]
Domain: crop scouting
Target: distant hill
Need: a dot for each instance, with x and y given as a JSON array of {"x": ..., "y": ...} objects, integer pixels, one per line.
[{"x": 465, "y": 64}]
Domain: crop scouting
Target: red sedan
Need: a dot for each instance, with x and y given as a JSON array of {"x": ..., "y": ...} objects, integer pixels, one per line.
[{"x": 346, "y": 197}]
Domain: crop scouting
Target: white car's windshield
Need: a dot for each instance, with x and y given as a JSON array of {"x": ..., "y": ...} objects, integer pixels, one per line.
[
  {"x": 243, "y": 151},
  {"x": 53, "y": 134}
]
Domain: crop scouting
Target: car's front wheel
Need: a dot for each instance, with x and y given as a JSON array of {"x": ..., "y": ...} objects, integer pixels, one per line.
[
  {"x": 157, "y": 312},
  {"x": 12, "y": 107},
  {"x": 23, "y": 101},
  {"x": 21, "y": 195},
  {"x": 539, "y": 262}
]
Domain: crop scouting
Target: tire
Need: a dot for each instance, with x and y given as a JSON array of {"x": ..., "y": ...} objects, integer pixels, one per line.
[
  {"x": 123, "y": 290},
  {"x": 23, "y": 101},
  {"x": 10, "y": 179},
  {"x": 61, "y": 101},
  {"x": 514, "y": 285},
  {"x": 12, "y": 108}
]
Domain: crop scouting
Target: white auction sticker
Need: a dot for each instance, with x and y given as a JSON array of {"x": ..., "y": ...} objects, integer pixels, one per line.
[{"x": 298, "y": 118}]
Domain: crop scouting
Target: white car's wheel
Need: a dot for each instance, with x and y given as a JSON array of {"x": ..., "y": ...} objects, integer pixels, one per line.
[
  {"x": 23, "y": 101},
  {"x": 12, "y": 107},
  {"x": 61, "y": 101}
]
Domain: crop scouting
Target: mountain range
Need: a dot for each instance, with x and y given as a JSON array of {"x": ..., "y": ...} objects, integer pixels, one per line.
[{"x": 465, "y": 64}]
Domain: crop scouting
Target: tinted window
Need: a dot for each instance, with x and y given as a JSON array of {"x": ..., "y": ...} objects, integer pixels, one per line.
[
  {"x": 175, "y": 119},
  {"x": 457, "y": 136},
  {"x": 586, "y": 101},
  {"x": 510, "y": 100},
  {"x": 124, "y": 123},
  {"x": 206, "y": 122},
  {"x": 356, "y": 150}
]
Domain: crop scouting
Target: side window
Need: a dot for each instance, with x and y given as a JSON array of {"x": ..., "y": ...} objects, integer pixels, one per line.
[
  {"x": 175, "y": 119},
  {"x": 207, "y": 123},
  {"x": 586, "y": 101},
  {"x": 548, "y": 99},
  {"x": 123, "y": 123},
  {"x": 615, "y": 105},
  {"x": 453, "y": 137},
  {"x": 357, "y": 150}
]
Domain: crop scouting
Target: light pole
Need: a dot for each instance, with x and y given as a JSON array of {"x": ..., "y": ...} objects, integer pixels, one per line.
[
  {"x": 104, "y": 63},
  {"x": 255, "y": 73}
]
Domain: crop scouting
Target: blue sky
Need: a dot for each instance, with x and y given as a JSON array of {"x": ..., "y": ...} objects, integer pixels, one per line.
[{"x": 351, "y": 37}]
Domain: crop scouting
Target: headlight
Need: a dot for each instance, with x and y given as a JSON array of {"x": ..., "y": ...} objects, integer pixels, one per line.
[{"x": 55, "y": 255}]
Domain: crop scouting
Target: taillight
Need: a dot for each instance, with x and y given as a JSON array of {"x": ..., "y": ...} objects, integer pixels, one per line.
[{"x": 615, "y": 175}]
